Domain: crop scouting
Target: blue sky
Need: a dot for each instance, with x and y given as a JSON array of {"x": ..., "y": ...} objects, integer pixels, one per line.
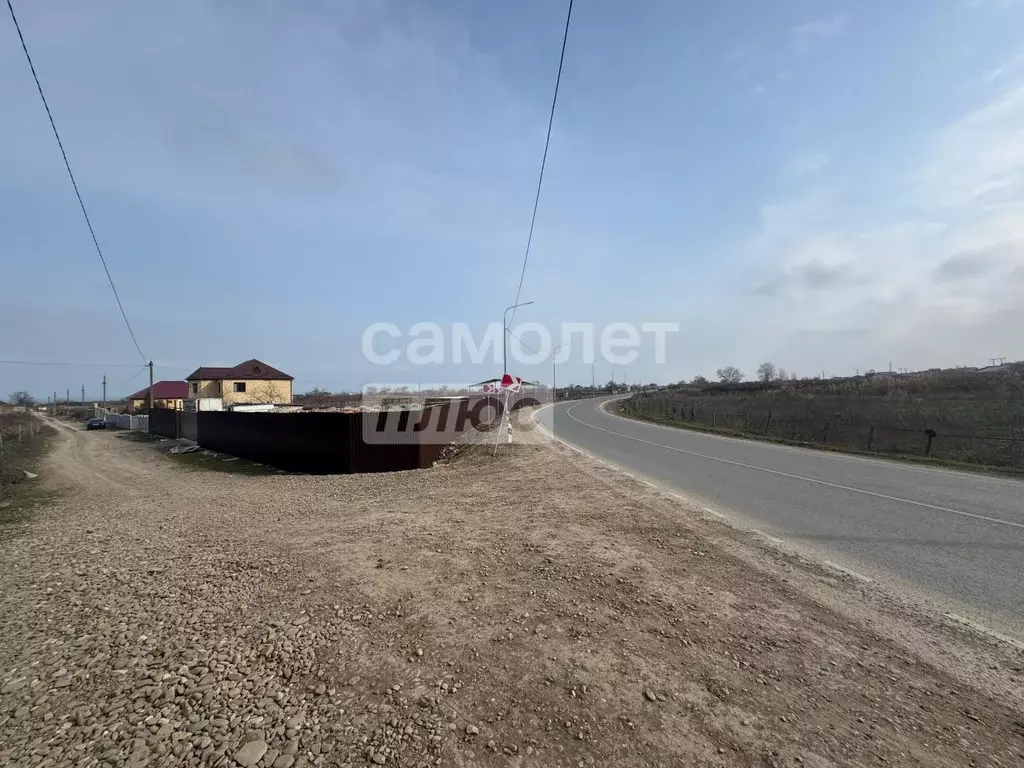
[{"x": 828, "y": 185}]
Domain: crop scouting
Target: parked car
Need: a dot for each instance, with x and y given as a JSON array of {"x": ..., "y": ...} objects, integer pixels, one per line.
[{"x": 96, "y": 424}]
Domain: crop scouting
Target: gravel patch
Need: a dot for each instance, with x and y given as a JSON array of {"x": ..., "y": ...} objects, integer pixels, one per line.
[{"x": 528, "y": 609}]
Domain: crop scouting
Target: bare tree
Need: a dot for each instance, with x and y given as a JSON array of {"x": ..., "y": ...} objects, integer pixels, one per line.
[
  {"x": 22, "y": 398},
  {"x": 782, "y": 375},
  {"x": 729, "y": 375},
  {"x": 699, "y": 381},
  {"x": 766, "y": 372},
  {"x": 260, "y": 392}
]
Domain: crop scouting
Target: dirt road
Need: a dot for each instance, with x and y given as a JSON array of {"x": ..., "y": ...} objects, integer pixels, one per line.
[{"x": 531, "y": 610}]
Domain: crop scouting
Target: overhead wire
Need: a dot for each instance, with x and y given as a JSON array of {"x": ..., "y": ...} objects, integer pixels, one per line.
[
  {"x": 71, "y": 365},
  {"x": 74, "y": 183},
  {"x": 130, "y": 378},
  {"x": 543, "y": 162},
  {"x": 522, "y": 343}
]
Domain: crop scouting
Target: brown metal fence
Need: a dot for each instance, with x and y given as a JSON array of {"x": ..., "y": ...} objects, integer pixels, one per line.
[
  {"x": 324, "y": 442},
  {"x": 163, "y": 421}
]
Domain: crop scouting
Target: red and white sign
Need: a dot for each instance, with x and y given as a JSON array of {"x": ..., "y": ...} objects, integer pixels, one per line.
[
  {"x": 490, "y": 389},
  {"x": 511, "y": 383}
]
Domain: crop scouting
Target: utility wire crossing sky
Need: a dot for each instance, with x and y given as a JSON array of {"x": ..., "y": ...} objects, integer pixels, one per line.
[{"x": 826, "y": 185}]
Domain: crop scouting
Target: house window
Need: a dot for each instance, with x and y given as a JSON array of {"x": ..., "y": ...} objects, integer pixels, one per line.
[
  {"x": 195, "y": 387},
  {"x": 239, "y": 386}
]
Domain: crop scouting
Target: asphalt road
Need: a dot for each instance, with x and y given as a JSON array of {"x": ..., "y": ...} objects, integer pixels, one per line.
[{"x": 953, "y": 539}]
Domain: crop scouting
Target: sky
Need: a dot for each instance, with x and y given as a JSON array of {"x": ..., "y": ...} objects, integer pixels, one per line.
[{"x": 831, "y": 186}]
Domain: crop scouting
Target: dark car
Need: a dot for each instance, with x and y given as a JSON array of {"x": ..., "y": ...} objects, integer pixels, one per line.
[{"x": 96, "y": 424}]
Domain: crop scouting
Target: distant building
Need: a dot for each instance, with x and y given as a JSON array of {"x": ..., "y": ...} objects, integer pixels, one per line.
[
  {"x": 250, "y": 382},
  {"x": 166, "y": 394}
]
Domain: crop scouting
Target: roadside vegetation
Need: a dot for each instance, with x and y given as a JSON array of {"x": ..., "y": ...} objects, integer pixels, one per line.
[
  {"x": 200, "y": 461},
  {"x": 962, "y": 416},
  {"x": 194, "y": 458},
  {"x": 24, "y": 441}
]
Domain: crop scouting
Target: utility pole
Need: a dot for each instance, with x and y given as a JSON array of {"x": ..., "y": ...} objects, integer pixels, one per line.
[
  {"x": 593, "y": 376},
  {"x": 554, "y": 386},
  {"x": 67, "y": 396},
  {"x": 104, "y": 391},
  {"x": 150, "y": 398},
  {"x": 83, "y": 394}
]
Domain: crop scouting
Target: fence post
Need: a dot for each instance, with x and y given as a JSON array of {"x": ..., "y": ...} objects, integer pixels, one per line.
[
  {"x": 824, "y": 434},
  {"x": 871, "y": 436},
  {"x": 767, "y": 423},
  {"x": 928, "y": 447}
]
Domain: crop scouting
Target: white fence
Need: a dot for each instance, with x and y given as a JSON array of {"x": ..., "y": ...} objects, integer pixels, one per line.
[{"x": 124, "y": 420}]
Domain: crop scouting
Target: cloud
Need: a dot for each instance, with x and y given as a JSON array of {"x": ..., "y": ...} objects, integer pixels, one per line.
[
  {"x": 979, "y": 159},
  {"x": 921, "y": 272},
  {"x": 817, "y": 264},
  {"x": 979, "y": 263},
  {"x": 815, "y": 35},
  {"x": 817, "y": 275}
]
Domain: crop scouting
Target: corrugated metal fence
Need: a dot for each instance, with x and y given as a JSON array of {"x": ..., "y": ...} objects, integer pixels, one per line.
[
  {"x": 123, "y": 420},
  {"x": 322, "y": 442}
]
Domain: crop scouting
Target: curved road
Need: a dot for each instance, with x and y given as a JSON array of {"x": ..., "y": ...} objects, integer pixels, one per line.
[{"x": 955, "y": 539}]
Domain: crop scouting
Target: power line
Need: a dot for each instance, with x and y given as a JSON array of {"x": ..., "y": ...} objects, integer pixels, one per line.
[
  {"x": 132, "y": 377},
  {"x": 74, "y": 184},
  {"x": 523, "y": 343},
  {"x": 543, "y": 162},
  {"x": 72, "y": 365},
  {"x": 528, "y": 347}
]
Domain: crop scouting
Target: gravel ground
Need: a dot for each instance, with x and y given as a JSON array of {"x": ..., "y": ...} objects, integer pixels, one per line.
[{"x": 533, "y": 609}]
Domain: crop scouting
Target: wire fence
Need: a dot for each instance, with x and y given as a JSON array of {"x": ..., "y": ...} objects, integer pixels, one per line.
[{"x": 941, "y": 429}]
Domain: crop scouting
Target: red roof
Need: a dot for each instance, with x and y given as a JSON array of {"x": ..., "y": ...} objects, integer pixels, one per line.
[
  {"x": 250, "y": 369},
  {"x": 164, "y": 390}
]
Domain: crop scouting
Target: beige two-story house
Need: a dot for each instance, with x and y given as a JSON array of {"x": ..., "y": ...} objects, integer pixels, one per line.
[{"x": 250, "y": 382}]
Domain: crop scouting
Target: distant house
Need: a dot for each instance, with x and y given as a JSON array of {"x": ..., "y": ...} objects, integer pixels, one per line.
[
  {"x": 166, "y": 394},
  {"x": 250, "y": 382}
]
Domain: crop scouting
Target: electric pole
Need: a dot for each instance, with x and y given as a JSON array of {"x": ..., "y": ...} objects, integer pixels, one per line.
[
  {"x": 150, "y": 385},
  {"x": 104, "y": 391},
  {"x": 67, "y": 396},
  {"x": 554, "y": 386},
  {"x": 83, "y": 394}
]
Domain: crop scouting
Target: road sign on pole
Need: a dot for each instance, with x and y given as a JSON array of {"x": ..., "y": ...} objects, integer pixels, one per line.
[{"x": 511, "y": 383}]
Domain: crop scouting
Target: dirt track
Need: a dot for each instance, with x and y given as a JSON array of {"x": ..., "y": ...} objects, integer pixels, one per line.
[{"x": 532, "y": 610}]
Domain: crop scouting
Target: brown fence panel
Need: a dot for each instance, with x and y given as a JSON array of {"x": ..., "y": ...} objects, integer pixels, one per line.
[
  {"x": 325, "y": 443},
  {"x": 163, "y": 421},
  {"x": 188, "y": 425},
  {"x": 301, "y": 442}
]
